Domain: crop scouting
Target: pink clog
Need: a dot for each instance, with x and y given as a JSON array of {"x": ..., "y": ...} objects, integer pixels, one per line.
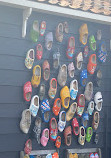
[{"x": 45, "y": 137}]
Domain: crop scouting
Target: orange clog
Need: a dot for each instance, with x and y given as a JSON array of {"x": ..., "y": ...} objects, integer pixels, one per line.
[
  {"x": 55, "y": 155},
  {"x": 92, "y": 64},
  {"x": 58, "y": 142},
  {"x": 57, "y": 106}
]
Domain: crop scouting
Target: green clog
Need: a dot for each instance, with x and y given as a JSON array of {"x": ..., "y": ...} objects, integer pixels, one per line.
[
  {"x": 92, "y": 43},
  {"x": 34, "y": 33},
  {"x": 89, "y": 134}
]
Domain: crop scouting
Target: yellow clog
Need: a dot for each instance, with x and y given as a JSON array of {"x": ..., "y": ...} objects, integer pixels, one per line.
[
  {"x": 65, "y": 97},
  {"x": 83, "y": 34},
  {"x": 36, "y": 76},
  {"x": 75, "y": 155}
]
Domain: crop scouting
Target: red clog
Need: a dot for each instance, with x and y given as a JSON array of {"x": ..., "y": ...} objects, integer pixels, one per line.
[
  {"x": 42, "y": 28},
  {"x": 28, "y": 146},
  {"x": 80, "y": 104},
  {"x": 53, "y": 129},
  {"x": 27, "y": 90},
  {"x": 39, "y": 51},
  {"x": 70, "y": 48},
  {"x": 58, "y": 142},
  {"x": 92, "y": 64},
  {"x": 57, "y": 106},
  {"x": 55, "y": 155},
  {"x": 75, "y": 126}
]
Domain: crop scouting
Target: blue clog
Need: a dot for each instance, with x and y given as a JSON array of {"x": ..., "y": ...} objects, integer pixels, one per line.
[{"x": 83, "y": 77}]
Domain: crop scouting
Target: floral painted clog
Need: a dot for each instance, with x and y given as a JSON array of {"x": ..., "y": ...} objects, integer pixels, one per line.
[
  {"x": 29, "y": 60},
  {"x": 73, "y": 89},
  {"x": 53, "y": 88},
  {"x": 70, "y": 48},
  {"x": 27, "y": 90},
  {"x": 34, "y": 105},
  {"x": 36, "y": 76},
  {"x": 53, "y": 129}
]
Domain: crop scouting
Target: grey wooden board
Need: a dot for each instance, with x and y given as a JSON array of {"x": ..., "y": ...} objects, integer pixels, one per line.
[{"x": 13, "y": 75}]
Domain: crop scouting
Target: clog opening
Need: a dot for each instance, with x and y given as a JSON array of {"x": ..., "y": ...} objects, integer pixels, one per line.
[
  {"x": 82, "y": 131},
  {"x": 27, "y": 115},
  {"x": 38, "y": 122},
  {"x": 79, "y": 64},
  {"x": 94, "y": 45},
  {"x": 75, "y": 85},
  {"x": 49, "y": 45},
  {"x": 36, "y": 26},
  {"x": 99, "y": 105},
  {"x": 82, "y": 100},
  {"x": 85, "y": 123},
  {"x": 59, "y": 139},
  {"x": 72, "y": 43},
  {"x": 28, "y": 95},
  {"x": 90, "y": 86},
  {"x": 42, "y": 88},
  {"x": 66, "y": 101},
  {"x": 63, "y": 117},
  {"x": 46, "y": 133},
  {"x": 54, "y": 84},
  {"x": 46, "y": 115},
  {"x": 96, "y": 118},
  {"x": 73, "y": 108},
  {"x": 39, "y": 48},
  {"x": 92, "y": 105},
  {"x": 53, "y": 124},
  {"x": 68, "y": 139},
  {"x": 99, "y": 74},
  {"x": 29, "y": 144},
  {"x": 36, "y": 101},
  {"x": 76, "y": 130},
  {"x": 86, "y": 49},
  {"x": 56, "y": 63},
  {"x": 85, "y": 36},
  {"x": 72, "y": 73},
  {"x": 60, "y": 28},
  {"x": 31, "y": 54},
  {"x": 90, "y": 132},
  {"x": 37, "y": 71},
  {"x": 46, "y": 74}
]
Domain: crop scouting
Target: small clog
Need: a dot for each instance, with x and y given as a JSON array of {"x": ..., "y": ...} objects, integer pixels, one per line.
[
  {"x": 71, "y": 69},
  {"x": 45, "y": 137},
  {"x": 46, "y": 70},
  {"x": 57, "y": 106},
  {"x": 58, "y": 142},
  {"x": 53, "y": 129},
  {"x": 89, "y": 134},
  {"x": 45, "y": 109},
  {"x": 68, "y": 135},
  {"x": 49, "y": 40},
  {"x": 39, "y": 51},
  {"x": 90, "y": 108},
  {"x": 98, "y": 100},
  {"x": 83, "y": 31},
  {"x": 65, "y": 97},
  {"x": 80, "y": 104},
  {"x": 53, "y": 88},
  {"x": 83, "y": 77},
  {"x": 62, "y": 121},
  {"x": 81, "y": 138},
  {"x": 59, "y": 32},
  {"x": 96, "y": 137},
  {"x": 70, "y": 113},
  {"x": 34, "y": 33},
  {"x": 36, "y": 76},
  {"x": 73, "y": 89},
  {"x": 28, "y": 146},
  {"x": 42, "y": 91},
  {"x": 75, "y": 126},
  {"x": 70, "y": 48},
  {"x": 27, "y": 90},
  {"x": 34, "y": 105},
  {"x": 92, "y": 43},
  {"x": 56, "y": 57},
  {"x": 29, "y": 60},
  {"x": 102, "y": 53},
  {"x": 91, "y": 155},
  {"x": 96, "y": 118},
  {"x": 42, "y": 28},
  {"x": 62, "y": 75},
  {"x": 91, "y": 66},
  {"x": 99, "y": 34},
  {"x": 79, "y": 60},
  {"x": 53, "y": 1},
  {"x": 96, "y": 155},
  {"x": 37, "y": 129},
  {"x": 85, "y": 118},
  {"x": 86, "y": 50},
  {"x": 55, "y": 155},
  {"x": 66, "y": 27},
  {"x": 89, "y": 91}
]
